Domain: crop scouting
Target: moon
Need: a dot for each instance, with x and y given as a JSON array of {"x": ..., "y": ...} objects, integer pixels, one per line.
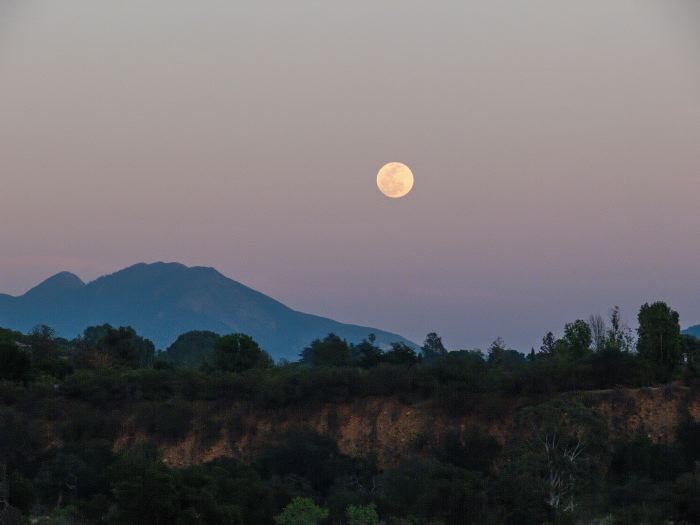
[{"x": 395, "y": 180}]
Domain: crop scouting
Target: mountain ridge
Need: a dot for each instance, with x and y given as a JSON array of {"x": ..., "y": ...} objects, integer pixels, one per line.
[
  {"x": 693, "y": 330},
  {"x": 163, "y": 300}
]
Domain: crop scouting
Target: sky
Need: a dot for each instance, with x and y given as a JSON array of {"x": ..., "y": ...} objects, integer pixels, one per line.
[{"x": 555, "y": 147}]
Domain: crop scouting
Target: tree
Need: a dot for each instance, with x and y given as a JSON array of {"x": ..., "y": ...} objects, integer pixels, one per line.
[
  {"x": 93, "y": 335},
  {"x": 433, "y": 347},
  {"x": 301, "y": 511},
  {"x": 362, "y": 514},
  {"x": 578, "y": 338},
  {"x": 239, "y": 352},
  {"x": 400, "y": 354},
  {"x": 660, "y": 336},
  {"x": 549, "y": 345},
  {"x": 123, "y": 345},
  {"x": 503, "y": 357},
  {"x": 193, "y": 349},
  {"x": 619, "y": 336},
  {"x": 42, "y": 339},
  {"x": 366, "y": 354},
  {"x": 561, "y": 447},
  {"x": 599, "y": 331},
  {"x": 47, "y": 352},
  {"x": 331, "y": 351}
]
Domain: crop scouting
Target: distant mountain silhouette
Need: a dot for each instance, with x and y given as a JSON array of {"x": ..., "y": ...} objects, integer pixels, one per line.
[
  {"x": 693, "y": 330},
  {"x": 163, "y": 300}
]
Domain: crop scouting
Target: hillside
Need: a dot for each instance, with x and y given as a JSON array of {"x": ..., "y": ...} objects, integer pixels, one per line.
[
  {"x": 391, "y": 428},
  {"x": 163, "y": 300},
  {"x": 91, "y": 431},
  {"x": 693, "y": 330}
]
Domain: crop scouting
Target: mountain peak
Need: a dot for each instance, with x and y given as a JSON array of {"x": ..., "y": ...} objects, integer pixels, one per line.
[
  {"x": 164, "y": 300},
  {"x": 57, "y": 284},
  {"x": 166, "y": 273},
  {"x": 159, "y": 266}
]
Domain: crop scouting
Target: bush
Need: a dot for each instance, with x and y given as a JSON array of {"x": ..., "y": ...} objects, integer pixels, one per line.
[
  {"x": 301, "y": 511},
  {"x": 362, "y": 514}
]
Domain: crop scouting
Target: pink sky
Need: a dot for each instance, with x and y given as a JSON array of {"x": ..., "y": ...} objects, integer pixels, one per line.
[{"x": 555, "y": 145}]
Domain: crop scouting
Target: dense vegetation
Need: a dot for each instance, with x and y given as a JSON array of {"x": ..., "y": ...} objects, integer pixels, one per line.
[{"x": 560, "y": 464}]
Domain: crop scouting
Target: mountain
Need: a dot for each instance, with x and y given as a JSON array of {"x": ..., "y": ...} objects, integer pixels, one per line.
[
  {"x": 163, "y": 300},
  {"x": 693, "y": 330}
]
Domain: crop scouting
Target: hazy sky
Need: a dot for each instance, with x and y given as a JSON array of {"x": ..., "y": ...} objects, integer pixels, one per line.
[{"x": 555, "y": 145}]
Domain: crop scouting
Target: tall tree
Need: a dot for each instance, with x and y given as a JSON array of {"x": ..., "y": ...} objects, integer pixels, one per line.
[
  {"x": 549, "y": 345},
  {"x": 660, "y": 335},
  {"x": 578, "y": 338},
  {"x": 599, "y": 331},
  {"x": 619, "y": 335},
  {"x": 433, "y": 347}
]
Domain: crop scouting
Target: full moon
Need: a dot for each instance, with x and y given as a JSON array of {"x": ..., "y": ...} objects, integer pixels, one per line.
[{"x": 395, "y": 180}]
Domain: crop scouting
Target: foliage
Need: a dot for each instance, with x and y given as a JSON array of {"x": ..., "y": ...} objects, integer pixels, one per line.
[
  {"x": 578, "y": 338},
  {"x": 239, "y": 352},
  {"x": 562, "y": 449},
  {"x": 660, "y": 337},
  {"x": 330, "y": 351},
  {"x": 366, "y": 354},
  {"x": 193, "y": 349},
  {"x": 308, "y": 455},
  {"x": 474, "y": 451},
  {"x": 433, "y": 347},
  {"x": 426, "y": 490},
  {"x": 121, "y": 346},
  {"x": 401, "y": 354},
  {"x": 362, "y": 514},
  {"x": 301, "y": 511}
]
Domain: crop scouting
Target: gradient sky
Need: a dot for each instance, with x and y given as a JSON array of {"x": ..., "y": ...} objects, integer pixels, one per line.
[{"x": 556, "y": 149}]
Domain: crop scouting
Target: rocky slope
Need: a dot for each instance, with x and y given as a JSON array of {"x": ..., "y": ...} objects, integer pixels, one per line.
[{"x": 391, "y": 428}]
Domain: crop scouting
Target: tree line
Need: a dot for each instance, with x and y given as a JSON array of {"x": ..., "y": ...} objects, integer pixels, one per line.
[{"x": 558, "y": 465}]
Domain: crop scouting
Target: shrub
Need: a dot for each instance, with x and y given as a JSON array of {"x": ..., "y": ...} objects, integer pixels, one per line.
[{"x": 301, "y": 511}]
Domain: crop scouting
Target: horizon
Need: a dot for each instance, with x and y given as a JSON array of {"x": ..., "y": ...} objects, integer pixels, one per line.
[
  {"x": 417, "y": 342},
  {"x": 554, "y": 149}
]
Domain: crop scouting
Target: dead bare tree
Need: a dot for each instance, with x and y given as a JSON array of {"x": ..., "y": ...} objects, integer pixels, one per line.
[
  {"x": 599, "y": 329},
  {"x": 562, "y": 460}
]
